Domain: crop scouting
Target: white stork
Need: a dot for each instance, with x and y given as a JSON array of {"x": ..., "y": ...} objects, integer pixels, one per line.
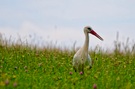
[{"x": 82, "y": 57}]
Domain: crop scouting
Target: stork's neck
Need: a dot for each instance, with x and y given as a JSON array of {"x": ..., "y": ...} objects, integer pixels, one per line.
[{"x": 86, "y": 43}]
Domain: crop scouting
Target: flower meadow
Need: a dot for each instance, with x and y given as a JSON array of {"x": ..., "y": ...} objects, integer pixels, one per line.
[{"x": 27, "y": 66}]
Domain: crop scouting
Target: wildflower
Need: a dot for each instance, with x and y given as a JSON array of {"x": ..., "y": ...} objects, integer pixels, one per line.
[
  {"x": 81, "y": 73},
  {"x": 25, "y": 67},
  {"x": 15, "y": 84},
  {"x": 70, "y": 73},
  {"x": 94, "y": 86},
  {"x": 6, "y": 82},
  {"x": 26, "y": 70}
]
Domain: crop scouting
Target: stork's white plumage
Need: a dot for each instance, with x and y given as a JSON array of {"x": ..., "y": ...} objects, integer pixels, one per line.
[{"x": 82, "y": 56}]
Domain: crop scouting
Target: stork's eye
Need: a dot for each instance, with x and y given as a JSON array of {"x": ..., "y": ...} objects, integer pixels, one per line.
[{"x": 89, "y": 28}]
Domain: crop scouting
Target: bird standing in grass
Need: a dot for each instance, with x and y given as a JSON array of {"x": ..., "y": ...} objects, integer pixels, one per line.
[{"x": 82, "y": 56}]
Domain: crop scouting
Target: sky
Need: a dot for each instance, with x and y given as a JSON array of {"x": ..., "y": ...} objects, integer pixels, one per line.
[{"x": 61, "y": 22}]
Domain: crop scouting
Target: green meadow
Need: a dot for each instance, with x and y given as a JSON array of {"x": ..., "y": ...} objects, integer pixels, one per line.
[{"x": 23, "y": 66}]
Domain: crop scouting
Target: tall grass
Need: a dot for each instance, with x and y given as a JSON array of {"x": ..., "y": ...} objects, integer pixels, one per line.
[
  {"x": 23, "y": 65},
  {"x": 124, "y": 47}
]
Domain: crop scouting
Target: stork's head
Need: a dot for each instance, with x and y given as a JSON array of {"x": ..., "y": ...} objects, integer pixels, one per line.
[{"x": 88, "y": 29}]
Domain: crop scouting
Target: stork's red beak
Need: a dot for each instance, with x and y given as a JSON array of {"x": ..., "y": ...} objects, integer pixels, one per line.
[{"x": 94, "y": 33}]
